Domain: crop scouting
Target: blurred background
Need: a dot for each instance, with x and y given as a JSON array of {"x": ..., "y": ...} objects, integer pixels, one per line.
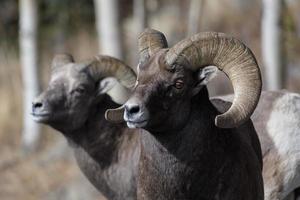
[{"x": 35, "y": 161}]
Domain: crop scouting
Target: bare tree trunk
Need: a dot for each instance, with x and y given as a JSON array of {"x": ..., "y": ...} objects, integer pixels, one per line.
[
  {"x": 108, "y": 27},
  {"x": 140, "y": 15},
  {"x": 272, "y": 44},
  {"x": 195, "y": 13},
  {"x": 140, "y": 19},
  {"x": 28, "y": 53}
]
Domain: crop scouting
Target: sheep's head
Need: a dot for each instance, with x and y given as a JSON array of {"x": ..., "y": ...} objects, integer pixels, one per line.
[
  {"x": 161, "y": 92},
  {"x": 169, "y": 78},
  {"x": 75, "y": 87}
]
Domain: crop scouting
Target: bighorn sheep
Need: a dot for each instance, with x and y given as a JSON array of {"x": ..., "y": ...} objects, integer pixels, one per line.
[
  {"x": 191, "y": 150},
  {"x": 74, "y": 104},
  {"x": 282, "y": 102},
  {"x": 277, "y": 121}
]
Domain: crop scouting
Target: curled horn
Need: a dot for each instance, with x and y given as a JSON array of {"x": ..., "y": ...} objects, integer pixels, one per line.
[
  {"x": 105, "y": 66},
  {"x": 100, "y": 67},
  {"x": 233, "y": 58},
  {"x": 150, "y": 41}
]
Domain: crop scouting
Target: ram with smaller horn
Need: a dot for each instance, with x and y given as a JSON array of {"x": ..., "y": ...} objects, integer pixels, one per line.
[{"x": 74, "y": 104}]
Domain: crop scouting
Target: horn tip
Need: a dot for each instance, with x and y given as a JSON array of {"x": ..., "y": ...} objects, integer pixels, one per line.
[{"x": 112, "y": 117}]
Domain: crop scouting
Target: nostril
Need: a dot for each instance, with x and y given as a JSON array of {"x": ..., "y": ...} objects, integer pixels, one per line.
[
  {"x": 37, "y": 104},
  {"x": 134, "y": 109}
]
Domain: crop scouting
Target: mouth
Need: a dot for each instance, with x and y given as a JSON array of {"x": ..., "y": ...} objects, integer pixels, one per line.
[
  {"x": 137, "y": 124},
  {"x": 41, "y": 117}
]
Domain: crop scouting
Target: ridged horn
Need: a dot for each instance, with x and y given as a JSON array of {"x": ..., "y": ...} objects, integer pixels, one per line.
[
  {"x": 105, "y": 66},
  {"x": 233, "y": 58},
  {"x": 150, "y": 41}
]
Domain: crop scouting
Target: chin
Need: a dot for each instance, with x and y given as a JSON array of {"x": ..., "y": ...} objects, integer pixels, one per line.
[
  {"x": 41, "y": 118},
  {"x": 132, "y": 124},
  {"x": 49, "y": 119}
]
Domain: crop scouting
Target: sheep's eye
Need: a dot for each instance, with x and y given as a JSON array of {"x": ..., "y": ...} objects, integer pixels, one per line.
[
  {"x": 80, "y": 90},
  {"x": 179, "y": 84}
]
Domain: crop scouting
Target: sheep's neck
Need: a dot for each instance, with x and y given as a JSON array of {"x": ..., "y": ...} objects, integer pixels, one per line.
[
  {"x": 199, "y": 127},
  {"x": 183, "y": 155},
  {"x": 200, "y": 161},
  {"x": 99, "y": 138},
  {"x": 107, "y": 153},
  {"x": 199, "y": 131}
]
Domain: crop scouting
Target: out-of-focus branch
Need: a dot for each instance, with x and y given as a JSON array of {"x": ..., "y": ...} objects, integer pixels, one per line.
[
  {"x": 108, "y": 27},
  {"x": 28, "y": 53},
  {"x": 195, "y": 13},
  {"x": 272, "y": 44},
  {"x": 140, "y": 15}
]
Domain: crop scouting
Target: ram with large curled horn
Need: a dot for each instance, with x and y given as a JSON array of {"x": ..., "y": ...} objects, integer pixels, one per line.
[
  {"x": 209, "y": 155},
  {"x": 228, "y": 54}
]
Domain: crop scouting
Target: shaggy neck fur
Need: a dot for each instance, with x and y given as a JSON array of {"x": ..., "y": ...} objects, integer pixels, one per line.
[
  {"x": 200, "y": 161},
  {"x": 109, "y": 138}
]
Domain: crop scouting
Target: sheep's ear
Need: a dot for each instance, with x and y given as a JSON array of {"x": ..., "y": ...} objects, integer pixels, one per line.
[
  {"x": 60, "y": 60},
  {"x": 205, "y": 75}
]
